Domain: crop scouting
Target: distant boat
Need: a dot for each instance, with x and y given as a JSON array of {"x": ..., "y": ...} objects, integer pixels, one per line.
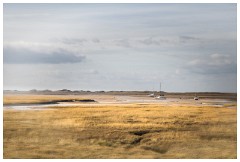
[
  {"x": 196, "y": 97},
  {"x": 161, "y": 96},
  {"x": 151, "y": 95}
]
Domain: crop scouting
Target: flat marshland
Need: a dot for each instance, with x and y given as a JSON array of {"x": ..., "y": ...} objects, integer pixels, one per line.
[{"x": 111, "y": 128}]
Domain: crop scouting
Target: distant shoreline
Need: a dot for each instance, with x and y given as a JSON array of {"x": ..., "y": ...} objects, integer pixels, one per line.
[
  {"x": 102, "y": 91},
  {"x": 183, "y": 95}
]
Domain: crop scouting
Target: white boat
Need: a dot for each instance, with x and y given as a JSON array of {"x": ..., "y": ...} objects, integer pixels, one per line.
[
  {"x": 151, "y": 95},
  {"x": 161, "y": 96},
  {"x": 196, "y": 97}
]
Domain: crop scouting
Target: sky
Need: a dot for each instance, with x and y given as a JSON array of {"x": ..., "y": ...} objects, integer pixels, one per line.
[{"x": 186, "y": 47}]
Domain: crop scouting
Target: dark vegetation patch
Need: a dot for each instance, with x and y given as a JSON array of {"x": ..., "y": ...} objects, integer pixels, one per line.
[
  {"x": 50, "y": 152},
  {"x": 85, "y": 100},
  {"x": 106, "y": 143},
  {"x": 136, "y": 141},
  {"x": 143, "y": 132},
  {"x": 217, "y": 137},
  {"x": 132, "y": 121},
  {"x": 140, "y": 133},
  {"x": 158, "y": 149},
  {"x": 192, "y": 116}
]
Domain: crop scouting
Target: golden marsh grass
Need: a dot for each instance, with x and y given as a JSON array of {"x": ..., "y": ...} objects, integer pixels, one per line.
[{"x": 120, "y": 131}]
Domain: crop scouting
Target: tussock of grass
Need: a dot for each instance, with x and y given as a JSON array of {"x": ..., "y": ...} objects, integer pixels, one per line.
[
  {"x": 156, "y": 148},
  {"x": 140, "y": 132},
  {"x": 136, "y": 141}
]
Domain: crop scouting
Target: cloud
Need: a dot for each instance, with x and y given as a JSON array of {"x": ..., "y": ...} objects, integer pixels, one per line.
[
  {"x": 188, "y": 38},
  {"x": 159, "y": 41},
  {"x": 150, "y": 41},
  {"x": 169, "y": 41},
  {"x": 122, "y": 43},
  {"x": 24, "y": 56},
  {"x": 213, "y": 64},
  {"x": 78, "y": 41},
  {"x": 95, "y": 40}
]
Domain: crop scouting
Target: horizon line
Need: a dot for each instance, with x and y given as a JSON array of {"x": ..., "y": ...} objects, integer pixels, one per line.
[{"x": 39, "y": 90}]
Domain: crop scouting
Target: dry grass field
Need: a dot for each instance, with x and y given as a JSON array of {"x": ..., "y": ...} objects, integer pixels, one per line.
[
  {"x": 130, "y": 130},
  {"x": 31, "y": 99}
]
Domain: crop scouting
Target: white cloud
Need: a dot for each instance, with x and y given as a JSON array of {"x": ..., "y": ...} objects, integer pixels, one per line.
[{"x": 213, "y": 60}]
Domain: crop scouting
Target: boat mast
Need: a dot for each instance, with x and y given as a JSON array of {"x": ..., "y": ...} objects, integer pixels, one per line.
[{"x": 160, "y": 88}]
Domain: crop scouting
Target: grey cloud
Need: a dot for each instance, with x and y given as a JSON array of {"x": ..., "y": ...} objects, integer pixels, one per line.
[
  {"x": 159, "y": 41},
  {"x": 210, "y": 69},
  {"x": 24, "y": 56},
  {"x": 186, "y": 39},
  {"x": 149, "y": 41},
  {"x": 170, "y": 41},
  {"x": 122, "y": 43},
  {"x": 95, "y": 40},
  {"x": 74, "y": 40},
  {"x": 214, "y": 64},
  {"x": 78, "y": 41}
]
